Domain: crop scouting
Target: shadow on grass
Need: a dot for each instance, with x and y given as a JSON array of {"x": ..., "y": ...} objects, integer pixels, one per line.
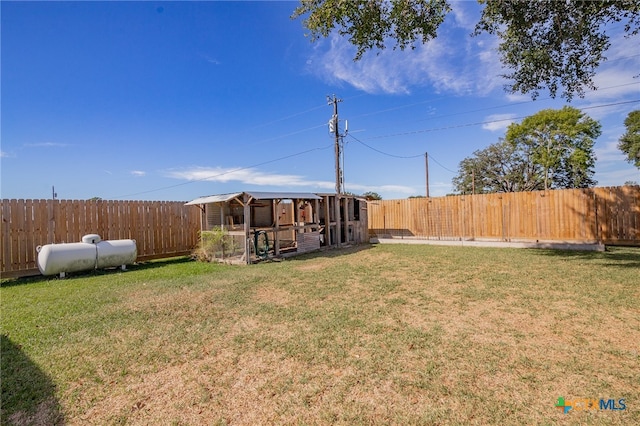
[
  {"x": 140, "y": 266},
  {"x": 618, "y": 256},
  {"x": 28, "y": 394}
]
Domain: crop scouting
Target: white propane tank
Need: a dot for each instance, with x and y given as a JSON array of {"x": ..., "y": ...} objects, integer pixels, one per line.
[
  {"x": 116, "y": 253},
  {"x": 70, "y": 257},
  {"x": 91, "y": 253},
  {"x": 91, "y": 238}
]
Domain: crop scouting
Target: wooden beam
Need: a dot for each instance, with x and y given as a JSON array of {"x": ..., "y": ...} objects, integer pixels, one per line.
[
  {"x": 327, "y": 221},
  {"x": 276, "y": 237},
  {"x": 203, "y": 219},
  {"x": 247, "y": 228},
  {"x": 337, "y": 218},
  {"x": 345, "y": 214}
]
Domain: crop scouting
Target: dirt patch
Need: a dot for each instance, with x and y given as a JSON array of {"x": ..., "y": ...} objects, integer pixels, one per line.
[
  {"x": 47, "y": 413},
  {"x": 310, "y": 267},
  {"x": 271, "y": 295}
]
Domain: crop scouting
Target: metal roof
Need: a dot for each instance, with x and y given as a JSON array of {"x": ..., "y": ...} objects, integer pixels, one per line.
[
  {"x": 256, "y": 196},
  {"x": 283, "y": 195},
  {"x": 213, "y": 199}
]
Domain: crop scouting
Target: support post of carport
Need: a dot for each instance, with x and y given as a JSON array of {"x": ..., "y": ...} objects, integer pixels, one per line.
[
  {"x": 246, "y": 199},
  {"x": 338, "y": 232},
  {"x": 345, "y": 222},
  {"x": 327, "y": 221},
  {"x": 276, "y": 234}
]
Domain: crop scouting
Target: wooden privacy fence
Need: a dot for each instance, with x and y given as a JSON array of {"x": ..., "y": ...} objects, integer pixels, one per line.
[
  {"x": 160, "y": 228},
  {"x": 595, "y": 215}
]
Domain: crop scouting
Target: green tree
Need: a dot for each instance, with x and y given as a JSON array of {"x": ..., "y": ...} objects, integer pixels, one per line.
[
  {"x": 370, "y": 23},
  {"x": 501, "y": 167},
  {"x": 553, "y": 43},
  {"x": 561, "y": 142},
  {"x": 629, "y": 143},
  {"x": 544, "y": 44},
  {"x": 370, "y": 195}
]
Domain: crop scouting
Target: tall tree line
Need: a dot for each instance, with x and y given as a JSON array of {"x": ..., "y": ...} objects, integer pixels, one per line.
[{"x": 551, "y": 149}]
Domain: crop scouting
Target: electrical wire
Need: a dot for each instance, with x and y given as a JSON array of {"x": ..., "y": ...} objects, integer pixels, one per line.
[
  {"x": 457, "y": 126},
  {"x": 225, "y": 173},
  {"x": 288, "y": 134},
  {"x": 358, "y": 140},
  {"x": 277, "y": 120},
  {"x": 382, "y": 152},
  {"x": 431, "y": 157},
  {"x": 403, "y": 156},
  {"x": 485, "y": 108}
]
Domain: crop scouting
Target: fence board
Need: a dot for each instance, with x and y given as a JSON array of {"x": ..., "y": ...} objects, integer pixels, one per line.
[
  {"x": 610, "y": 215},
  {"x": 161, "y": 229},
  {"x": 31, "y": 258}
]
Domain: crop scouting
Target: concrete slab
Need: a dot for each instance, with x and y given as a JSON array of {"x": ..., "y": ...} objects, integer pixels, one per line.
[{"x": 556, "y": 245}]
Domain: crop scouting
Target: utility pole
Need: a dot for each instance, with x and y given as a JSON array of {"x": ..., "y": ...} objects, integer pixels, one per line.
[
  {"x": 333, "y": 128},
  {"x": 426, "y": 166}
]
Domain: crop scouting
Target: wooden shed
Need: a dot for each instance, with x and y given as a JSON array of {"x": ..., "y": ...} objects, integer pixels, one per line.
[{"x": 260, "y": 225}]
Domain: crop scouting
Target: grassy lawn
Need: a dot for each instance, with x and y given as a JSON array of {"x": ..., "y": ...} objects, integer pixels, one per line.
[{"x": 385, "y": 334}]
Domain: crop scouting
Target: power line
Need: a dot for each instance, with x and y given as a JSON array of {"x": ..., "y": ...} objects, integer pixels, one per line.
[
  {"x": 511, "y": 104},
  {"x": 288, "y": 134},
  {"x": 440, "y": 164},
  {"x": 385, "y": 153},
  {"x": 457, "y": 126},
  {"x": 277, "y": 120},
  {"x": 403, "y": 156},
  {"x": 225, "y": 173},
  {"x": 361, "y": 142}
]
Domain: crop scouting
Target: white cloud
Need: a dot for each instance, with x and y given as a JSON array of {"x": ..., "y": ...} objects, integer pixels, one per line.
[
  {"x": 252, "y": 176},
  {"x": 608, "y": 152},
  {"x": 497, "y": 122},
  {"x": 623, "y": 47},
  {"x": 4, "y": 154},
  {"x": 446, "y": 63},
  {"x": 138, "y": 173},
  {"x": 616, "y": 80},
  {"x": 249, "y": 176},
  {"x": 617, "y": 176},
  {"x": 463, "y": 16}
]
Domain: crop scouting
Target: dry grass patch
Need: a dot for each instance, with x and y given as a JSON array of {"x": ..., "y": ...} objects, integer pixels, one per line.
[{"x": 385, "y": 335}]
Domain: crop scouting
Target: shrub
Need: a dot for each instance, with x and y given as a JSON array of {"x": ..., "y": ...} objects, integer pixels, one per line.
[{"x": 215, "y": 244}]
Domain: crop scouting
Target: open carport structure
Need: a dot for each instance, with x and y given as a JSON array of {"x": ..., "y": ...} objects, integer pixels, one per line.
[{"x": 278, "y": 224}]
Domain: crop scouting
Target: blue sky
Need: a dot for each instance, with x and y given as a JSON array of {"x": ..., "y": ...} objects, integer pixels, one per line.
[{"x": 171, "y": 101}]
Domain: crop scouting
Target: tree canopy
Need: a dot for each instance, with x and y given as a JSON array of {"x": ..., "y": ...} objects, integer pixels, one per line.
[
  {"x": 544, "y": 44},
  {"x": 501, "y": 167},
  {"x": 550, "y": 149},
  {"x": 629, "y": 143},
  {"x": 561, "y": 142},
  {"x": 370, "y": 196}
]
